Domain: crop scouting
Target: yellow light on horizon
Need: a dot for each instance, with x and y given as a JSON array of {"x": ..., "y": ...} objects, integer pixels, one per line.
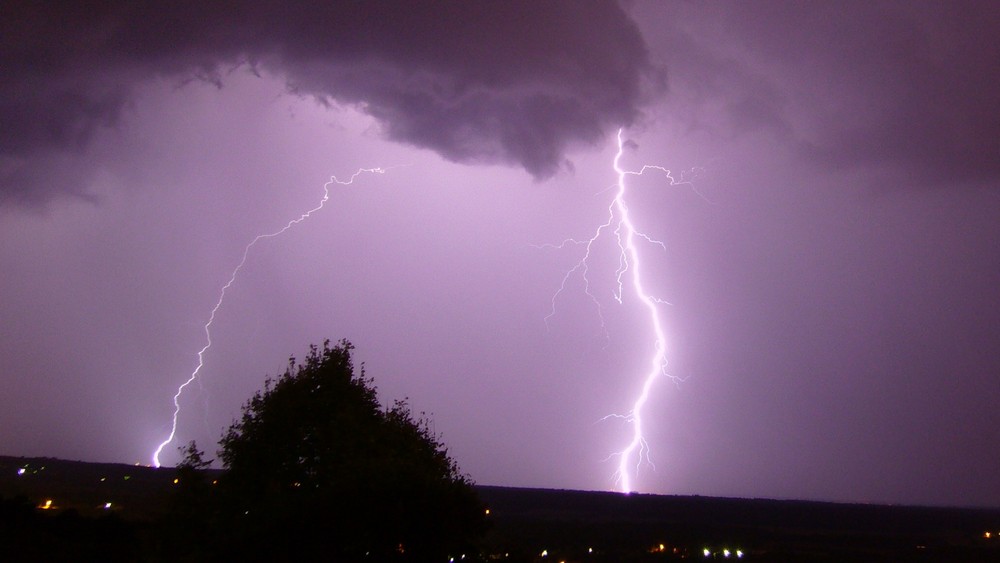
[{"x": 46, "y": 505}]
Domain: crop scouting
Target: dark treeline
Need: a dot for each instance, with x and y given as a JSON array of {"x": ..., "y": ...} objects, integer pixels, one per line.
[
  {"x": 317, "y": 469},
  {"x": 156, "y": 525},
  {"x": 314, "y": 469}
]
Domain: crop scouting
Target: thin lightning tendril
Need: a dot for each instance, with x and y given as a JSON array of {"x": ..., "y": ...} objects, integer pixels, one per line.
[
  {"x": 627, "y": 237},
  {"x": 222, "y": 296}
]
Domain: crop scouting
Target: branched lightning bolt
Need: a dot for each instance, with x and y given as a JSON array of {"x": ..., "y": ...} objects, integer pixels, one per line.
[
  {"x": 628, "y": 238},
  {"x": 232, "y": 279}
]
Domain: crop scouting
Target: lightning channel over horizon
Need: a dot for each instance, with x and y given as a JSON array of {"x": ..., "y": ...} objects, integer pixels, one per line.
[
  {"x": 232, "y": 279},
  {"x": 629, "y": 272}
]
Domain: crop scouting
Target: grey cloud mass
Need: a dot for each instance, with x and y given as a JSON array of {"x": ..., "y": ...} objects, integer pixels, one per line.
[
  {"x": 511, "y": 82},
  {"x": 909, "y": 88}
]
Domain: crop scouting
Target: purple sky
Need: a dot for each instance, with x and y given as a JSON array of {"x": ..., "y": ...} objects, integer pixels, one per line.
[{"x": 832, "y": 273}]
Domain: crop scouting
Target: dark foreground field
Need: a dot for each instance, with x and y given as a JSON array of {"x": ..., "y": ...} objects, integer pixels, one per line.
[{"x": 112, "y": 512}]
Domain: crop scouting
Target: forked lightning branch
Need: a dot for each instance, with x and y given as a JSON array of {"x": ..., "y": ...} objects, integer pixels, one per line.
[
  {"x": 222, "y": 297},
  {"x": 628, "y": 274},
  {"x": 628, "y": 279}
]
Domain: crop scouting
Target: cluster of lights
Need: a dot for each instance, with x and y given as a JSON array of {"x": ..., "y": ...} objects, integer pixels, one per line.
[
  {"x": 725, "y": 553},
  {"x": 49, "y": 504},
  {"x": 991, "y": 535},
  {"x": 664, "y": 548},
  {"x": 708, "y": 553}
]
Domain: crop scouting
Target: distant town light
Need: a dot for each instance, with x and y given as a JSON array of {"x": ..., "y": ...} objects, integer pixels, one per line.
[
  {"x": 739, "y": 554},
  {"x": 545, "y": 553},
  {"x": 21, "y": 471},
  {"x": 177, "y": 481},
  {"x": 725, "y": 553},
  {"x": 987, "y": 535},
  {"x": 46, "y": 505},
  {"x": 107, "y": 506}
]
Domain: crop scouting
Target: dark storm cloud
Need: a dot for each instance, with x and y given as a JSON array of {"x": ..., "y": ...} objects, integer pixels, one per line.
[
  {"x": 917, "y": 82},
  {"x": 511, "y": 82},
  {"x": 906, "y": 87}
]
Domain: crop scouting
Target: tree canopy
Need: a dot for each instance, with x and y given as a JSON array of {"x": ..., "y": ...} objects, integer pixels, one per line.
[{"x": 316, "y": 465}]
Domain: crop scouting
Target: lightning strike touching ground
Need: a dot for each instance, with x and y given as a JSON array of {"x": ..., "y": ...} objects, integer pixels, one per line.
[
  {"x": 628, "y": 238},
  {"x": 222, "y": 296}
]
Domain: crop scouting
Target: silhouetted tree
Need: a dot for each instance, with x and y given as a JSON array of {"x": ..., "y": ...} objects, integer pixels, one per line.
[
  {"x": 193, "y": 462},
  {"x": 316, "y": 467},
  {"x": 188, "y": 529},
  {"x": 192, "y": 478}
]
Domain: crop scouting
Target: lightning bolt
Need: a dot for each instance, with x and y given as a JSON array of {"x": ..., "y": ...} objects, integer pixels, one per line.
[
  {"x": 232, "y": 279},
  {"x": 628, "y": 273}
]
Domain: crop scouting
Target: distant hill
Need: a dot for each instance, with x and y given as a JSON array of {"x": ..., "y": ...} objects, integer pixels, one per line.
[
  {"x": 134, "y": 492},
  {"x": 567, "y": 524},
  {"x": 591, "y": 526}
]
